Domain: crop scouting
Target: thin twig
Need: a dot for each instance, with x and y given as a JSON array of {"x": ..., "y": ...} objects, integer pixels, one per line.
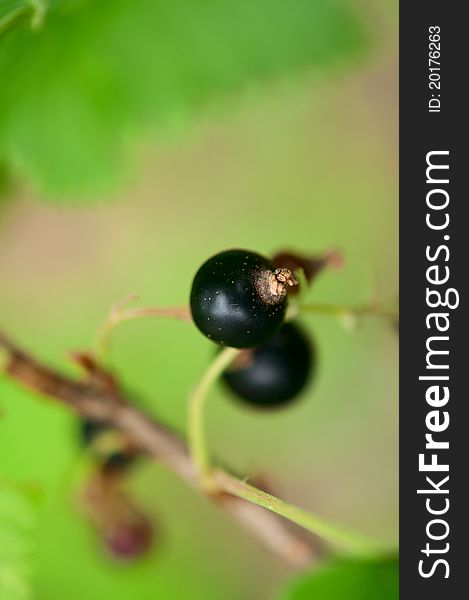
[
  {"x": 366, "y": 310},
  {"x": 159, "y": 442},
  {"x": 120, "y": 314},
  {"x": 342, "y": 538},
  {"x": 214, "y": 479}
]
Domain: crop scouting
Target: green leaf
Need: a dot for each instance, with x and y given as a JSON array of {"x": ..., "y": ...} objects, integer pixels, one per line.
[
  {"x": 6, "y": 183},
  {"x": 14, "y": 13},
  {"x": 349, "y": 580},
  {"x": 77, "y": 89},
  {"x": 17, "y": 522}
]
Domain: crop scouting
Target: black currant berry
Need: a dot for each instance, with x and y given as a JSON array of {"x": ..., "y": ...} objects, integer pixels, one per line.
[
  {"x": 276, "y": 372},
  {"x": 238, "y": 298},
  {"x": 106, "y": 443}
]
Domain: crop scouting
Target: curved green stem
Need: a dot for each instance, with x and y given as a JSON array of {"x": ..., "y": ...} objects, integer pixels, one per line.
[
  {"x": 119, "y": 314},
  {"x": 197, "y": 401},
  {"x": 220, "y": 481},
  {"x": 338, "y": 536}
]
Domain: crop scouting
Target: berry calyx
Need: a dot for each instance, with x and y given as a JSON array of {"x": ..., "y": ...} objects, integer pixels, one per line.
[
  {"x": 239, "y": 298},
  {"x": 275, "y": 373}
]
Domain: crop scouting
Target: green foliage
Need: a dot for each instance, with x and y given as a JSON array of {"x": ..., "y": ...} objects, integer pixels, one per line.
[
  {"x": 79, "y": 82},
  {"x": 5, "y": 181},
  {"x": 17, "y": 521},
  {"x": 349, "y": 580},
  {"x": 14, "y": 13}
]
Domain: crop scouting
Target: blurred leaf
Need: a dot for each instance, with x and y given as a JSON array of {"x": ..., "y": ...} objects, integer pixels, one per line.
[
  {"x": 349, "y": 580},
  {"x": 6, "y": 183},
  {"x": 78, "y": 88},
  {"x": 14, "y": 13},
  {"x": 17, "y": 521}
]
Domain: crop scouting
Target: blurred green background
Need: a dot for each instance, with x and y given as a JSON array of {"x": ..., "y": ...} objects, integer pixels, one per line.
[{"x": 294, "y": 152}]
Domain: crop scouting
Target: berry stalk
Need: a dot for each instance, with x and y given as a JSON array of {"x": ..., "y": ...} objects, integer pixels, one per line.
[
  {"x": 120, "y": 314},
  {"x": 366, "y": 310},
  {"x": 343, "y": 539},
  {"x": 197, "y": 401},
  {"x": 216, "y": 481}
]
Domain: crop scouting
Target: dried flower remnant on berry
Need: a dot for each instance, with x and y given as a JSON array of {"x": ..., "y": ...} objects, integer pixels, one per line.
[
  {"x": 311, "y": 266},
  {"x": 272, "y": 286}
]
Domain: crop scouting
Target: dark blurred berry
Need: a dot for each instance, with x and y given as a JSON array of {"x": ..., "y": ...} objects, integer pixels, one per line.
[{"x": 275, "y": 373}]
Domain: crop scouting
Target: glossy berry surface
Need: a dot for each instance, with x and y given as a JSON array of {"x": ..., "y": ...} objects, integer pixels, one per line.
[
  {"x": 231, "y": 300},
  {"x": 276, "y": 372}
]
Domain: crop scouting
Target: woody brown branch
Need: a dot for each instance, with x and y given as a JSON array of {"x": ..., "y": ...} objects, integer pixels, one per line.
[{"x": 100, "y": 399}]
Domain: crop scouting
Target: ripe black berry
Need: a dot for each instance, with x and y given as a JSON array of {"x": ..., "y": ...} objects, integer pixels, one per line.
[
  {"x": 238, "y": 298},
  {"x": 274, "y": 373}
]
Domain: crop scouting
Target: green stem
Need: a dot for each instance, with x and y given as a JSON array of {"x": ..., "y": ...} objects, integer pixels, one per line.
[
  {"x": 354, "y": 311},
  {"x": 119, "y": 315},
  {"x": 338, "y": 536},
  {"x": 197, "y": 401},
  {"x": 217, "y": 480}
]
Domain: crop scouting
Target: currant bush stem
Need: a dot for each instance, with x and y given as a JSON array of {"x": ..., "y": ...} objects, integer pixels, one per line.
[
  {"x": 336, "y": 535},
  {"x": 197, "y": 401},
  {"x": 353, "y": 311},
  {"x": 159, "y": 442},
  {"x": 215, "y": 480},
  {"x": 119, "y": 314}
]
